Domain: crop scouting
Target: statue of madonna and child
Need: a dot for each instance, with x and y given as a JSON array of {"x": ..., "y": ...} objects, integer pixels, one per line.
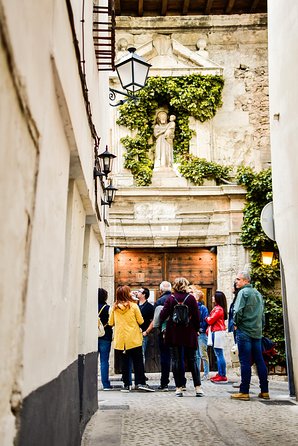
[{"x": 164, "y": 133}]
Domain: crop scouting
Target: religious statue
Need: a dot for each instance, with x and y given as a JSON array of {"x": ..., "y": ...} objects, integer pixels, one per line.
[{"x": 164, "y": 133}]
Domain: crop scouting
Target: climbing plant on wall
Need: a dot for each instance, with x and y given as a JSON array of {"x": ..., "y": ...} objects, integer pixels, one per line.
[
  {"x": 265, "y": 277},
  {"x": 194, "y": 95}
]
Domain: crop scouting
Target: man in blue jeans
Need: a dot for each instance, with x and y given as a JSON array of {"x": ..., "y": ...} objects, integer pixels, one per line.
[{"x": 249, "y": 322}]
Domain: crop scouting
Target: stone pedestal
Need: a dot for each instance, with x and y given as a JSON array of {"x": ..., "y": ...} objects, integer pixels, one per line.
[{"x": 167, "y": 177}]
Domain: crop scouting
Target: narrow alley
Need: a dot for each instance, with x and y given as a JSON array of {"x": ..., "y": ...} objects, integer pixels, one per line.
[{"x": 161, "y": 419}]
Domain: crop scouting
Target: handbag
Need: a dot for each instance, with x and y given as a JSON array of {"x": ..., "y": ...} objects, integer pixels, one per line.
[
  {"x": 219, "y": 339},
  {"x": 234, "y": 354},
  {"x": 101, "y": 328},
  {"x": 209, "y": 339}
]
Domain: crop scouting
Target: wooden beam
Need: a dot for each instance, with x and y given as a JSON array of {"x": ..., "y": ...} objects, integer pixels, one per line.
[
  {"x": 117, "y": 7},
  {"x": 164, "y": 7},
  {"x": 230, "y": 6},
  {"x": 141, "y": 8},
  {"x": 254, "y": 5},
  {"x": 185, "y": 7},
  {"x": 208, "y": 6}
]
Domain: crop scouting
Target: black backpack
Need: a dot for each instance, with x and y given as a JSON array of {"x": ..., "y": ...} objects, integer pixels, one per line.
[{"x": 181, "y": 313}]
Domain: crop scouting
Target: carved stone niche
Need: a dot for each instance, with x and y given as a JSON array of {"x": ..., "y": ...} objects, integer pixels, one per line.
[{"x": 168, "y": 57}]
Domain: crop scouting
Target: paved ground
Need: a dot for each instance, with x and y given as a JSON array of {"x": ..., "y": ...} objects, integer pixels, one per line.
[{"x": 161, "y": 419}]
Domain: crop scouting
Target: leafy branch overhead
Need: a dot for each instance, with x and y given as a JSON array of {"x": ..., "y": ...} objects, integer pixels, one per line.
[{"x": 194, "y": 95}]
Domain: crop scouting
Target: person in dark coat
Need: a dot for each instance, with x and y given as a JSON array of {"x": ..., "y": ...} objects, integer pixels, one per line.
[
  {"x": 164, "y": 351},
  {"x": 104, "y": 343},
  {"x": 183, "y": 340}
]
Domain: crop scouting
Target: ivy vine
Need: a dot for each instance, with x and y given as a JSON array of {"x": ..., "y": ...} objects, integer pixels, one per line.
[
  {"x": 193, "y": 95},
  {"x": 265, "y": 277}
]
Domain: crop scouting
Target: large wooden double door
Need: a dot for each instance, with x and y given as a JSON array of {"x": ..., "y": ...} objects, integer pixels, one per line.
[{"x": 149, "y": 267}]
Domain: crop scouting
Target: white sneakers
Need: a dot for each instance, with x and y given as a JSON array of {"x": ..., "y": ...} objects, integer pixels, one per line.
[
  {"x": 179, "y": 392},
  {"x": 199, "y": 391}
]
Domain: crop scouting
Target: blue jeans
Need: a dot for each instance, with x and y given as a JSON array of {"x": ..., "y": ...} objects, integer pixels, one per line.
[
  {"x": 220, "y": 358},
  {"x": 202, "y": 353},
  {"x": 144, "y": 347},
  {"x": 104, "y": 348},
  {"x": 250, "y": 350}
]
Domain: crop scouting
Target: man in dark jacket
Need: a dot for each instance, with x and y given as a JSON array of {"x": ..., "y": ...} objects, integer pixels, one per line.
[
  {"x": 249, "y": 321},
  {"x": 147, "y": 311},
  {"x": 164, "y": 351}
]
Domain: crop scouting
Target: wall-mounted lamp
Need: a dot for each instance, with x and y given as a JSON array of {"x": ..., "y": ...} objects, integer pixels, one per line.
[
  {"x": 109, "y": 197},
  {"x": 105, "y": 164},
  {"x": 102, "y": 168},
  {"x": 267, "y": 257},
  {"x": 132, "y": 71},
  {"x": 110, "y": 194}
]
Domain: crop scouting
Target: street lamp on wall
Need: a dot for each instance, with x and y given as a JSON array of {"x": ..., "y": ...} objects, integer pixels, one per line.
[
  {"x": 132, "y": 71},
  {"x": 267, "y": 257},
  {"x": 103, "y": 164},
  {"x": 110, "y": 194},
  {"x": 102, "y": 168}
]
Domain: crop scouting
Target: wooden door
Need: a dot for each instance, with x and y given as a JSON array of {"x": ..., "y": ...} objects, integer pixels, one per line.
[{"x": 149, "y": 267}]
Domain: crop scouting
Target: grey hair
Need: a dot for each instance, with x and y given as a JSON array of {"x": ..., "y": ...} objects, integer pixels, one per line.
[
  {"x": 165, "y": 286},
  {"x": 245, "y": 275}
]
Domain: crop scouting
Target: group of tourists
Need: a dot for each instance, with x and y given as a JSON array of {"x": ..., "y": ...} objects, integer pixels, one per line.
[{"x": 185, "y": 330}]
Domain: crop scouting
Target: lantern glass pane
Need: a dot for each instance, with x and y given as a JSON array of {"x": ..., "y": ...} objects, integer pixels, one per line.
[
  {"x": 140, "y": 76},
  {"x": 125, "y": 74}
]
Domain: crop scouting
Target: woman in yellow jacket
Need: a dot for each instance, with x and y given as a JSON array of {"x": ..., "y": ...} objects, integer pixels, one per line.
[{"x": 126, "y": 317}]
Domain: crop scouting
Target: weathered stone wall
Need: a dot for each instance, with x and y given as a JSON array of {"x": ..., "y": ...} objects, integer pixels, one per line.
[{"x": 239, "y": 133}]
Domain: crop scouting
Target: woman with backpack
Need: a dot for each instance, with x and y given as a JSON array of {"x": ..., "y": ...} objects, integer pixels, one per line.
[
  {"x": 217, "y": 333},
  {"x": 181, "y": 334}
]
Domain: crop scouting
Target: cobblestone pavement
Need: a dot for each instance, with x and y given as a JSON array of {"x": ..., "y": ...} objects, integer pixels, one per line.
[{"x": 161, "y": 419}]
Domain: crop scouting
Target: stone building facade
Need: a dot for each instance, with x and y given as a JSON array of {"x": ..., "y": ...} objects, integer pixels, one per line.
[{"x": 171, "y": 212}]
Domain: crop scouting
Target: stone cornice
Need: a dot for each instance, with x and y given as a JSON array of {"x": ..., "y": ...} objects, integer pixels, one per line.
[{"x": 190, "y": 22}]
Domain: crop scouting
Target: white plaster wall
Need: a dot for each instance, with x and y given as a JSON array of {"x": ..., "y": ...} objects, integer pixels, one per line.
[
  {"x": 283, "y": 47},
  {"x": 88, "y": 304},
  {"x": 18, "y": 166},
  {"x": 46, "y": 308}
]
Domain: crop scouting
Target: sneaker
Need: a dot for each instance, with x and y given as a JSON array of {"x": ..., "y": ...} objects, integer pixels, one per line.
[
  {"x": 178, "y": 392},
  {"x": 240, "y": 396},
  {"x": 264, "y": 396},
  {"x": 145, "y": 387},
  {"x": 184, "y": 388},
  {"x": 125, "y": 389},
  {"x": 199, "y": 391},
  {"x": 107, "y": 388},
  {"x": 219, "y": 379},
  {"x": 163, "y": 388},
  {"x": 205, "y": 378},
  {"x": 215, "y": 376},
  {"x": 236, "y": 385}
]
